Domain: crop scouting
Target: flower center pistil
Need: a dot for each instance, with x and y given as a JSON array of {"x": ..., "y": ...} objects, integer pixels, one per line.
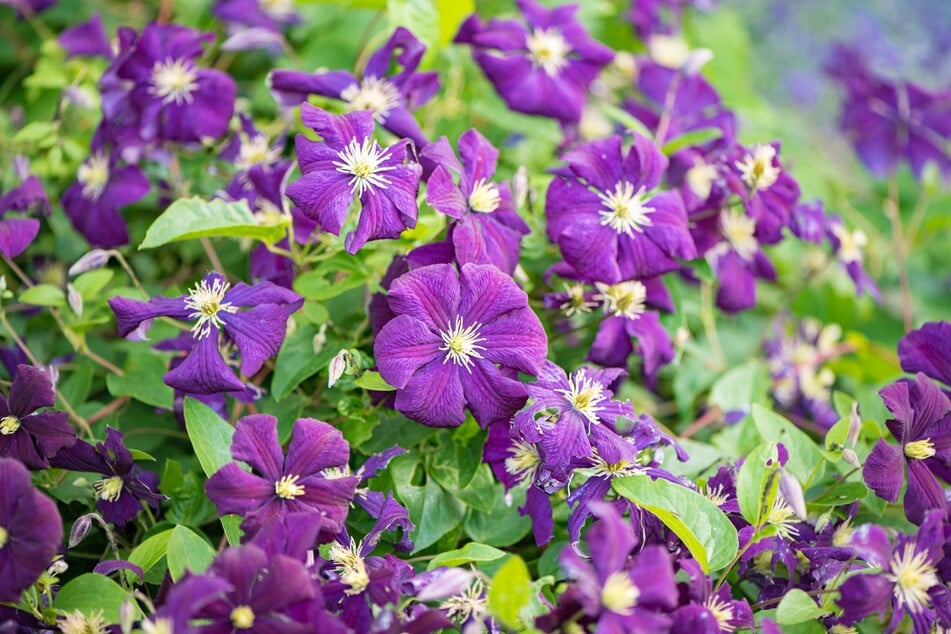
[
  {"x": 626, "y": 299},
  {"x": 576, "y": 302},
  {"x": 625, "y": 211},
  {"x": 278, "y": 9},
  {"x": 4, "y": 537},
  {"x": 851, "y": 244},
  {"x": 242, "y": 617},
  {"x": 913, "y": 576},
  {"x": 461, "y": 344},
  {"x": 522, "y": 461},
  {"x": 372, "y": 93},
  {"x": 108, "y": 489},
  {"x": 174, "y": 80},
  {"x": 287, "y": 487},
  {"x": 470, "y": 603},
  {"x": 350, "y": 566},
  {"x": 93, "y": 175},
  {"x": 722, "y": 611},
  {"x": 619, "y": 593},
  {"x": 363, "y": 162},
  {"x": 584, "y": 395},
  {"x": 917, "y": 449},
  {"x": 255, "y": 150},
  {"x": 206, "y": 301},
  {"x": 9, "y": 425},
  {"x": 485, "y": 197},
  {"x": 78, "y": 623},
  {"x": 757, "y": 168},
  {"x": 782, "y": 518},
  {"x": 548, "y": 50},
  {"x": 738, "y": 229}
]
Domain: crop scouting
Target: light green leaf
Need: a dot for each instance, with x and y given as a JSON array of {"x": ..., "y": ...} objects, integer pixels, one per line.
[
  {"x": 90, "y": 593},
  {"x": 188, "y": 551},
  {"x": 91, "y": 283},
  {"x": 451, "y": 15},
  {"x": 511, "y": 591},
  {"x": 150, "y": 553},
  {"x": 805, "y": 457},
  {"x": 797, "y": 607},
  {"x": 471, "y": 552},
  {"x": 210, "y": 436},
  {"x": 297, "y": 362},
  {"x": 703, "y": 528},
  {"x": 370, "y": 380},
  {"x": 143, "y": 381},
  {"x": 44, "y": 295},
  {"x": 232, "y": 526},
  {"x": 757, "y": 481},
  {"x": 190, "y": 218}
]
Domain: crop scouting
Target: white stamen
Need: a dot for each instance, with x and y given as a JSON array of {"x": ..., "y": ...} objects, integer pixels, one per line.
[
  {"x": 350, "y": 566},
  {"x": 206, "y": 302},
  {"x": 470, "y": 603},
  {"x": 255, "y": 150},
  {"x": 548, "y": 50},
  {"x": 722, "y": 612},
  {"x": 584, "y": 395},
  {"x": 576, "y": 302},
  {"x": 372, "y": 93},
  {"x": 485, "y": 197},
  {"x": 913, "y": 576},
  {"x": 619, "y": 594},
  {"x": 782, "y": 517},
  {"x": 363, "y": 162},
  {"x": 851, "y": 244},
  {"x": 626, "y": 299},
  {"x": 9, "y": 425},
  {"x": 625, "y": 209},
  {"x": 757, "y": 168},
  {"x": 523, "y": 461},
  {"x": 738, "y": 229},
  {"x": 280, "y": 10},
  {"x": 93, "y": 175},
  {"x": 108, "y": 489},
  {"x": 287, "y": 487},
  {"x": 174, "y": 80},
  {"x": 462, "y": 344}
]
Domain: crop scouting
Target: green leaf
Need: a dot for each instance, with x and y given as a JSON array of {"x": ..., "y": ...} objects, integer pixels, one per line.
[
  {"x": 370, "y": 380},
  {"x": 150, "y": 553},
  {"x": 190, "y": 218},
  {"x": 90, "y": 593},
  {"x": 511, "y": 591},
  {"x": 143, "y": 381},
  {"x": 297, "y": 362},
  {"x": 451, "y": 15},
  {"x": 36, "y": 133},
  {"x": 433, "y": 510},
  {"x": 232, "y": 526},
  {"x": 797, "y": 607},
  {"x": 91, "y": 283},
  {"x": 757, "y": 481},
  {"x": 314, "y": 285},
  {"x": 210, "y": 436},
  {"x": 698, "y": 522},
  {"x": 805, "y": 456},
  {"x": 502, "y": 525},
  {"x": 471, "y": 552},
  {"x": 44, "y": 295},
  {"x": 188, "y": 551},
  {"x": 740, "y": 387}
]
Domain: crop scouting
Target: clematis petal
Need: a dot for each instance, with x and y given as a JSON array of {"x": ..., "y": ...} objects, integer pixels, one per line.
[
  {"x": 31, "y": 390},
  {"x": 256, "y": 443},
  {"x": 433, "y": 395},
  {"x": 884, "y": 470},
  {"x": 204, "y": 371},
  {"x": 404, "y": 345},
  {"x": 315, "y": 446},
  {"x": 234, "y": 490}
]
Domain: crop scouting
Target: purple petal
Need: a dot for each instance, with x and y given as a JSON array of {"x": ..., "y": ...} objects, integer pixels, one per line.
[
  {"x": 884, "y": 470},
  {"x": 430, "y": 294},
  {"x": 443, "y": 195},
  {"x": 31, "y": 390},
  {"x": 315, "y": 446},
  {"x": 234, "y": 490},
  {"x": 256, "y": 443},
  {"x": 132, "y": 312},
  {"x": 402, "y": 346},
  {"x": 204, "y": 371},
  {"x": 924, "y": 492},
  {"x": 258, "y": 333},
  {"x": 491, "y": 396},
  {"x": 16, "y": 234},
  {"x": 433, "y": 395}
]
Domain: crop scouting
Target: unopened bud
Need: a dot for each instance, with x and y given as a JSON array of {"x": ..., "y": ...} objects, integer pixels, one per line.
[
  {"x": 57, "y": 567},
  {"x": 855, "y": 425},
  {"x": 21, "y": 167},
  {"x": 320, "y": 339},
  {"x": 79, "y": 531},
  {"x": 126, "y": 616},
  {"x": 75, "y": 300},
  {"x": 695, "y": 61},
  {"x": 791, "y": 491},
  {"x": 95, "y": 259},
  {"x": 520, "y": 186},
  {"x": 851, "y": 457},
  {"x": 338, "y": 365}
]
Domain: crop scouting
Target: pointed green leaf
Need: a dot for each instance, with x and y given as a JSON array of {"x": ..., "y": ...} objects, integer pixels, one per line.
[
  {"x": 511, "y": 591},
  {"x": 188, "y": 551},
  {"x": 210, "y": 436},
  {"x": 91, "y": 593},
  {"x": 190, "y": 218},
  {"x": 471, "y": 552}
]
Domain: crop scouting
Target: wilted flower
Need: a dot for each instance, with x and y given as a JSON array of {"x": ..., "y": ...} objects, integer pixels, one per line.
[{"x": 450, "y": 330}]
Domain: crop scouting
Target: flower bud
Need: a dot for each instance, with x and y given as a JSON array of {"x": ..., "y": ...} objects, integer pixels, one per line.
[
  {"x": 80, "y": 529},
  {"x": 93, "y": 260},
  {"x": 520, "y": 186},
  {"x": 338, "y": 365},
  {"x": 791, "y": 491},
  {"x": 75, "y": 300},
  {"x": 855, "y": 425},
  {"x": 851, "y": 457}
]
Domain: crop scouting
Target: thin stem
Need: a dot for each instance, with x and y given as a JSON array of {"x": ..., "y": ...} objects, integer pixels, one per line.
[
  {"x": 108, "y": 409},
  {"x": 709, "y": 320},
  {"x": 712, "y": 415},
  {"x": 19, "y": 272},
  {"x": 212, "y": 255},
  {"x": 665, "y": 117},
  {"x": 128, "y": 269}
]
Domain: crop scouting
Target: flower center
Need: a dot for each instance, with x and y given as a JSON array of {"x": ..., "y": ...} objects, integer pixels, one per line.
[
  {"x": 782, "y": 518},
  {"x": 287, "y": 487},
  {"x": 362, "y": 161},
  {"x": 373, "y": 93},
  {"x": 851, "y": 244},
  {"x": 623, "y": 300},
  {"x": 255, "y": 150},
  {"x": 700, "y": 179},
  {"x": 242, "y": 617},
  {"x": 625, "y": 209},
  {"x": 722, "y": 611},
  {"x": 174, "y": 80},
  {"x": 619, "y": 593},
  {"x": 78, "y": 623},
  {"x": 158, "y": 626},
  {"x": 601, "y": 468},
  {"x": 584, "y": 395},
  {"x": 816, "y": 385},
  {"x": 842, "y": 536},
  {"x": 916, "y": 450},
  {"x": 522, "y": 461},
  {"x": 9, "y": 425},
  {"x": 278, "y": 9},
  {"x": 462, "y": 344},
  {"x": 484, "y": 197},
  {"x": 576, "y": 302},
  {"x": 716, "y": 495},
  {"x": 548, "y": 50},
  {"x": 4, "y": 537},
  {"x": 738, "y": 229},
  {"x": 93, "y": 175},
  {"x": 206, "y": 301},
  {"x": 350, "y": 566},
  {"x": 108, "y": 489},
  {"x": 470, "y": 603},
  {"x": 913, "y": 576},
  {"x": 757, "y": 168}
]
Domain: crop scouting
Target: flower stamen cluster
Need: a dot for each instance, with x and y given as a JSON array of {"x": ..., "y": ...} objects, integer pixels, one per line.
[
  {"x": 363, "y": 162},
  {"x": 174, "y": 81},
  {"x": 548, "y": 50},
  {"x": 461, "y": 344},
  {"x": 625, "y": 211},
  {"x": 206, "y": 301},
  {"x": 372, "y": 93}
]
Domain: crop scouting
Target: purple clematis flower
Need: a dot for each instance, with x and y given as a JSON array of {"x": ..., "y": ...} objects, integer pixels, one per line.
[
  {"x": 922, "y": 426},
  {"x": 450, "y": 331},
  {"x": 214, "y": 307},
  {"x": 887, "y": 121},
  {"x": 101, "y": 189},
  {"x": 31, "y": 437},
  {"x": 124, "y": 487},
  {"x": 350, "y": 164},
  {"x": 86, "y": 38},
  {"x": 709, "y": 611},
  {"x": 269, "y": 15},
  {"x": 907, "y": 580},
  {"x": 543, "y": 68},
  {"x": 661, "y": 16},
  {"x": 390, "y": 97},
  {"x": 486, "y": 227},
  {"x": 603, "y": 218},
  {"x": 17, "y": 233},
  {"x": 280, "y": 485},
  {"x": 31, "y": 530},
  {"x": 928, "y": 350},
  {"x": 175, "y": 99},
  {"x": 618, "y": 592}
]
